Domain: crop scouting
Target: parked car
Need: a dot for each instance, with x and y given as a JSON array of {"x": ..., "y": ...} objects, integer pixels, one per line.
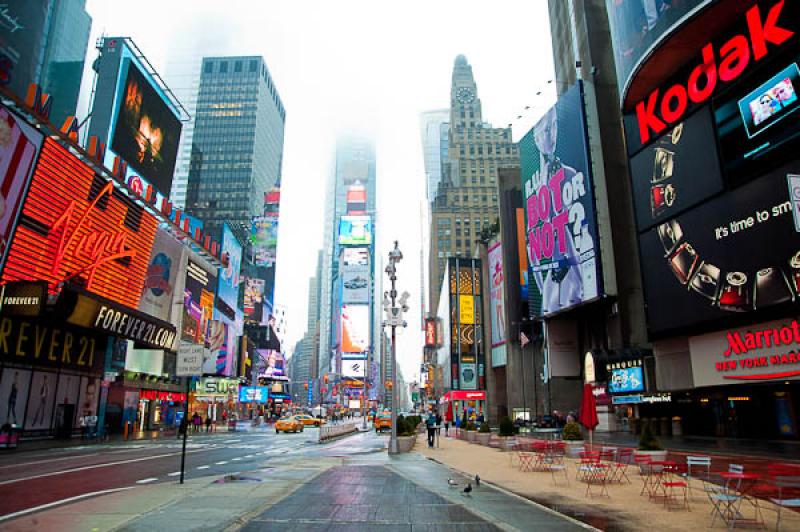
[
  {"x": 382, "y": 422},
  {"x": 289, "y": 424}
]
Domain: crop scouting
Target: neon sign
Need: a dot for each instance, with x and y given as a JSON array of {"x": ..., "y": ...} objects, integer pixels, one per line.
[
  {"x": 75, "y": 227},
  {"x": 658, "y": 110}
]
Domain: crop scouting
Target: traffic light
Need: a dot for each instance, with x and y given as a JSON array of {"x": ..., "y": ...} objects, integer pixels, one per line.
[
  {"x": 305, "y": 385},
  {"x": 325, "y": 378}
]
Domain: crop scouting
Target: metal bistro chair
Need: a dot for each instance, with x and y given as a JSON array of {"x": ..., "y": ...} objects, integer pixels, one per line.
[
  {"x": 587, "y": 461},
  {"x": 788, "y": 495},
  {"x": 556, "y": 461},
  {"x": 624, "y": 459},
  {"x": 699, "y": 464},
  {"x": 724, "y": 503}
]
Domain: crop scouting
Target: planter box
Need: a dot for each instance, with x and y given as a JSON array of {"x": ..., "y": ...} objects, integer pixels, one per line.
[
  {"x": 483, "y": 438},
  {"x": 574, "y": 447},
  {"x": 406, "y": 443},
  {"x": 507, "y": 443},
  {"x": 471, "y": 435},
  {"x": 655, "y": 456}
]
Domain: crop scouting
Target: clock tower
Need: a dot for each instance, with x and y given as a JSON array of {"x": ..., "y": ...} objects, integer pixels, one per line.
[{"x": 465, "y": 107}]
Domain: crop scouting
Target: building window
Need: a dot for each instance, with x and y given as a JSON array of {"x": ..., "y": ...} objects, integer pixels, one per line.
[
  {"x": 208, "y": 67},
  {"x": 223, "y": 67},
  {"x": 237, "y": 66},
  {"x": 253, "y": 65}
]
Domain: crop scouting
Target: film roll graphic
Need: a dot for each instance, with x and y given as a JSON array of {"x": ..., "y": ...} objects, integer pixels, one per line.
[
  {"x": 683, "y": 262},
  {"x": 771, "y": 287},
  {"x": 735, "y": 295},
  {"x": 705, "y": 281},
  {"x": 670, "y": 234}
]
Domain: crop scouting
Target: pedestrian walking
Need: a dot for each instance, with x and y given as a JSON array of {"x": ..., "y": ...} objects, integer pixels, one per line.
[
  {"x": 208, "y": 424},
  {"x": 196, "y": 420},
  {"x": 438, "y": 424},
  {"x": 182, "y": 427},
  {"x": 431, "y": 425},
  {"x": 447, "y": 428}
]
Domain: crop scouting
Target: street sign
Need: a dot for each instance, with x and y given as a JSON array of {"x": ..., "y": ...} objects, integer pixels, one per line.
[
  {"x": 310, "y": 391},
  {"x": 190, "y": 360}
]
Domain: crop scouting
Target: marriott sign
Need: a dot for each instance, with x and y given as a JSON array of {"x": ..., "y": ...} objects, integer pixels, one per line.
[{"x": 660, "y": 110}]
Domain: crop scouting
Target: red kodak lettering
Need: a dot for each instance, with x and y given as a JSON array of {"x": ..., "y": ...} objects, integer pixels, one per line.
[
  {"x": 767, "y": 32},
  {"x": 708, "y": 70},
  {"x": 646, "y": 116}
]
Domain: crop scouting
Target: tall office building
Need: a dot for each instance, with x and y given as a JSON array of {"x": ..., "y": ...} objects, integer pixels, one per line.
[
  {"x": 348, "y": 268},
  {"x": 237, "y": 149},
  {"x": 46, "y": 44},
  {"x": 434, "y": 127},
  {"x": 466, "y": 200}
]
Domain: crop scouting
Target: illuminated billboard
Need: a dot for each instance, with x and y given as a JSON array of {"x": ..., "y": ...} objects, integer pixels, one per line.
[
  {"x": 253, "y": 394},
  {"x": 270, "y": 363},
  {"x": 19, "y": 149},
  {"x": 355, "y": 231},
  {"x": 561, "y": 225},
  {"x": 253, "y": 300},
  {"x": 355, "y": 256},
  {"x": 355, "y": 285},
  {"x": 147, "y": 130},
  {"x": 231, "y": 258},
  {"x": 198, "y": 302},
  {"x": 355, "y": 328},
  {"x": 166, "y": 258},
  {"x": 354, "y": 368},
  {"x": 264, "y": 239},
  {"x": 74, "y": 227}
]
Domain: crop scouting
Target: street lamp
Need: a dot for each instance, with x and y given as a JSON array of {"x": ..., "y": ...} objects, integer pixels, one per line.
[{"x": 394, "y": 319}]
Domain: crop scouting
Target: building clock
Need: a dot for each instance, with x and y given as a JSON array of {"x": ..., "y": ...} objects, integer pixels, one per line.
[{"x": 465, "y": 95}]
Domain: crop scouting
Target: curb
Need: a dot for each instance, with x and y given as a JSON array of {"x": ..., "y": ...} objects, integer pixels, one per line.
[{"x": 519, "y": 497}]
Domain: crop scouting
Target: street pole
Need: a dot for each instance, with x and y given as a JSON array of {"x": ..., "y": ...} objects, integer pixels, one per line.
[
  {"x": 186, "y": 428},
  {"x": 394, "y": 316}
]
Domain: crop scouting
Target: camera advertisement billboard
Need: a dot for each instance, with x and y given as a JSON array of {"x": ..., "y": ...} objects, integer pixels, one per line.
[
  {"x": 355, "y": 231},
  {"x": 737, "y": 254},
  {"x": 355, "y": 328},
  {"x": 561, "y": 226}
]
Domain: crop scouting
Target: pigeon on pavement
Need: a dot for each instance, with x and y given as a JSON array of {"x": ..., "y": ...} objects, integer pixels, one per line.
[
  {"x": 468, "y": 489},
  {"x": 477, "y": 480},
  {"x": 452, "y": 483}
]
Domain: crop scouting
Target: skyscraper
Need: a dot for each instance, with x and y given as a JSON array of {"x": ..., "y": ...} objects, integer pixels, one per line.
[
  {"x": 466, "y": 199},
  {"x": 434, "y": 127},
  {"x": 46, "y": 44},
  {"x": 237, "y": 149}
]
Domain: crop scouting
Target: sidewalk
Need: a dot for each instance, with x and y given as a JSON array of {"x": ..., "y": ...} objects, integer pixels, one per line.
[{"x": 623, "y": 509}]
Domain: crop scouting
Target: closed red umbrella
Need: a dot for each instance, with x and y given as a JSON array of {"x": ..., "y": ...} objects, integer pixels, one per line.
[{"x": 588, "y": 414}]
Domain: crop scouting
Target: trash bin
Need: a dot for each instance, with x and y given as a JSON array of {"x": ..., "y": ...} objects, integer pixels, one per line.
[{"x": 677, "y": 430}]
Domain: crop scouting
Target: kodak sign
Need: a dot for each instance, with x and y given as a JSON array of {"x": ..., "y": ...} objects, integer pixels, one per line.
[{"x": 765, "y": 31}]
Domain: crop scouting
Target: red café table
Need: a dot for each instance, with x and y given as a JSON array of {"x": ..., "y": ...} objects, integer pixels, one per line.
[
  {"x": 744, "y": 483},
  {"x": 659, "y": 469}
]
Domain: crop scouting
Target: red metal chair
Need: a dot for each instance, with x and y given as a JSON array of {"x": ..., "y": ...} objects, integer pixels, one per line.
[
  {"x": 672, "y": 488},
  {"x": 587, "y": 460}
]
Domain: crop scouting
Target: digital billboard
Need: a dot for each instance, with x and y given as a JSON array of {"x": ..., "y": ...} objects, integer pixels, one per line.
[
  {"x": 355, "y": 231},
  {"x": 561, "y": 226},
  {"x": 270, "y": 363},
  {"x": 666, "y": 175},
  {"x": 737, "y": 253},
  {"x": 355, "y": 256},
  {"x": 75, "y": 227},
  {"x": 354, "y": 368},
  {"x": 264, "y": 239},
  {"x": 253, "y": 394},
  {"x": 166, "y": 258},
  {"x": 198, "y": 302},
  {"x": 624, "y": 380},
  {"x": 231, "y": 258},
  {"x": 636, "y": 25},
  {"x": 355, "y": 328},
  {"x": 19, "y": 149},
  {"x": 254, "y": 300},
  {"x": 147, "y": 130},
  {"x": 757, "y": 121},
  {"x": 220, "y": 354},
  {"x": 355, "y": 285}
]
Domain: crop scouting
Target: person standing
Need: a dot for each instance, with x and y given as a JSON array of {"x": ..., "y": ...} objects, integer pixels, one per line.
[{"x": 208, "y": 424}]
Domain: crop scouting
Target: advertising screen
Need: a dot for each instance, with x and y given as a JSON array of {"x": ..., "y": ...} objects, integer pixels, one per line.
[
  {"x": 635, "y": 25},
  {"x": 253, "y": 394},
  {"x": 757, "y": 122},
  {"x": 497, "y": 297},
  {"x": 355, "y": 231},
  {"x": 270, "y": 363},
  {"x": 355, "y": 328},
  {"x": 355, "y": 285},
  {"x": 198, "y": 302},
  {"x": 253, "y": 300},
  {"x": 430, "y": 332},
  {"x": 665, "y": 175},
  {"x": 159, "y": 284},
  {"x": 231, "y": 258},
  {"x": 625, "y": 380},
  {"x": 147, "y": 130},
  {"x": 738, "y": 253},
  {"x": 354, "y": 368},
  {"x": 355, "y": 256},
  {"x": 19, "y": 149},
  {"x": 75, "y": 227},
  {"x": 264, "y": 239},
  {"x": 561, "y": 226}
]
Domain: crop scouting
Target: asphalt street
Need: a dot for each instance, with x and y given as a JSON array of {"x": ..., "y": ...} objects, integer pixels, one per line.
[{"x": 44, "y": 478}]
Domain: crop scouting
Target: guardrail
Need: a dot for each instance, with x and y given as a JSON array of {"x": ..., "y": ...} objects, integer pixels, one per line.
[{"x": 327, "y": 432}]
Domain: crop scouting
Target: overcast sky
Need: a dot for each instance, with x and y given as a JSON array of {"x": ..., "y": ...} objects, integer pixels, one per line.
[{"x": 356, "y": 66}]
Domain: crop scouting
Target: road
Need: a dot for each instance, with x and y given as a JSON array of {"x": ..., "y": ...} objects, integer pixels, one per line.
[{"x": 42, "y": 478}]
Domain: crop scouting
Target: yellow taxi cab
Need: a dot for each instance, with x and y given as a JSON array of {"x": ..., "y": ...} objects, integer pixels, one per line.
[
  {"x": 383, "y": 421},
  {"x": 308, "y": 420},
  {"x": 289, "y": 424}
]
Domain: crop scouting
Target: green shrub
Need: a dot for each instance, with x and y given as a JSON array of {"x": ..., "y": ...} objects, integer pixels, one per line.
[
  {"x": 648, "y": 440},
  {"x": 484, "y": 428},
  {"x": 571, "y": 432},
  {"x": 506, "y": 427},
  {"x": 470, "y": 426}
]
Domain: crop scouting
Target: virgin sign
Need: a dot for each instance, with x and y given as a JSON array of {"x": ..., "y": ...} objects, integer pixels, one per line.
[{"x": 75, "y": 227}]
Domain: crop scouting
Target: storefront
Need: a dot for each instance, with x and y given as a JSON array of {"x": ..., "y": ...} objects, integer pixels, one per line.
[
  {"x": 458, "y": 403},
  {"x": 713, "y": 138},
  {"x": 215, "y": 398}
]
